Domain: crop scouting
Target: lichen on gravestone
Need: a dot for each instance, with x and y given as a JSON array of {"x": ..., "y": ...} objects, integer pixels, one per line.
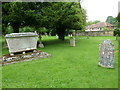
[{"x": 106, "y": 54}]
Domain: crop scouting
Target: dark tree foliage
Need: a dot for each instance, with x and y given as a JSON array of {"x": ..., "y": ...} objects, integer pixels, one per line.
[
  {"x": 111, "y": 20},
  {"x": 57, "y": 16},
  {"x": 117, "y": 29},
  {"x": 118, "y": 20},
  {"x": 92, "y": 22},
  {"x": 63, "y": 15}
]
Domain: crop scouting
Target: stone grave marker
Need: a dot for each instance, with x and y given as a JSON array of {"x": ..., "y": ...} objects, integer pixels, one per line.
[
  {"x": 56, "y": 36},
  {"x": 50, "y": 34},
  {"x": 76, "y": 36},
  {"x": 72, "y": 41},
  {"x": 106, "y": 54},
  {"x": 46, "y": 35},
  {"x": 71, "y": 35},
  {"x": 41, "y": 45},
  {"x": 68, "y": 35}
]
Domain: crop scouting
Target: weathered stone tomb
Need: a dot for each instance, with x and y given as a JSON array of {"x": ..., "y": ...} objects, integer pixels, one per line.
[{"x": 20, "y": 42}]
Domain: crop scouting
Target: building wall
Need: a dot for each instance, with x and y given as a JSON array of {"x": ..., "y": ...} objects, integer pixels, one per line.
[
  {"x": 99, "y": 29},
  {"x": 110, "y": 28},
  {"x": 96, "y": 33},
  {"x": 93, "y": 29}
]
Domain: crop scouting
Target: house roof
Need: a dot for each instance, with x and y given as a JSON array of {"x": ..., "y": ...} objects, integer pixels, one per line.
[{"x": 98, "y": 25}]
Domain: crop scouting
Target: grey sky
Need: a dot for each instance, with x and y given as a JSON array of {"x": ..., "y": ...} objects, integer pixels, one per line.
[{"x": 100, "y": 9}]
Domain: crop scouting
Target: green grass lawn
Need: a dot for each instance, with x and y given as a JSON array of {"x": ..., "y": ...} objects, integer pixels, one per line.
[{"x": 68, "y": 67}]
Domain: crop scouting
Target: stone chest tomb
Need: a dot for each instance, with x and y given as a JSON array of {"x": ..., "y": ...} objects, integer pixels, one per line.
[
  {"x": 20, "y": 42},
  {"x": 106, "y": 54}
]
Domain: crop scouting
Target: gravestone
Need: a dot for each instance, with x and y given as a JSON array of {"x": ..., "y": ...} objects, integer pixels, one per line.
[
  {"x": 46, "y": 35},
  {"x": 106, "y": 54},
  {"x": 68, "y": 35},
  {"x": 56, "y": 36},
  {"x": 72, "y": 41},
  {"x": 76, "y": 36},
  {"x": 50, "y": 34},
  {"x": 41, "y": 45}
]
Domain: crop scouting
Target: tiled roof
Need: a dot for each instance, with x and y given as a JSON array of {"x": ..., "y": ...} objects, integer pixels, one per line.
[{"x": 98, "y": 25}]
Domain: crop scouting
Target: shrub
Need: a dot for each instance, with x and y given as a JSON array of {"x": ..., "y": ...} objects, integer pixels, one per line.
[
  {"x": 26, "y": 29},
  {"x": 117, "y": 31},
  {"x": 7, "y": 30}
]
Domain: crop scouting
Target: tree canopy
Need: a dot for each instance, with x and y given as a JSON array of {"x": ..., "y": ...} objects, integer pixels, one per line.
[
  {"x": 92, "y": 22},
  {"x": 56, "y": 15},
  {"x": 118, "y": 20},
  {"x": 117, "y": 28},
  {"x": 111, "y": 20}
]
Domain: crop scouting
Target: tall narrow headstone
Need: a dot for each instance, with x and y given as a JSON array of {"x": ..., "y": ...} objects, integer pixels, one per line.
[
  {"x": 76, "y": 35},
  {"x": 56, "y": 36},
  {"x": 41, "y": 45},
  {"x": 72, "y": 41},
  {"x": 106, "y": 54}
]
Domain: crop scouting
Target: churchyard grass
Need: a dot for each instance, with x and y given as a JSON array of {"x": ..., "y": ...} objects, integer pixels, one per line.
[
  {"x": 68, "y": 67},
  {"x": 2, "y": 43}
]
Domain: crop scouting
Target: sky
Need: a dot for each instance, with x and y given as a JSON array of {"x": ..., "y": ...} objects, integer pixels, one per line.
[{"x": 100, "y": 9}]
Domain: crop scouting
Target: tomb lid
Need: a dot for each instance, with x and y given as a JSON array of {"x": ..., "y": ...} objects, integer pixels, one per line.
[{"x": 26, "y": 34}]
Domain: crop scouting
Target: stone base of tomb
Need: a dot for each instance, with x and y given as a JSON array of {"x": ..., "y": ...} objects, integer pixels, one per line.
[
  {"x": 8, "y": 59},
  {"x": 105, "y": 66}
]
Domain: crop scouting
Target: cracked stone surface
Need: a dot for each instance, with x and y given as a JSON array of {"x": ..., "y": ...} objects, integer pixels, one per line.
[
  {"x": 20, "y": 42},
  {"x": 7, "y": 59},
  {"x": 106, "y": 54}
]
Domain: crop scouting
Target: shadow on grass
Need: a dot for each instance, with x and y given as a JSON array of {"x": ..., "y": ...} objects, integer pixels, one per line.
[{"x": 54, "y": 42}]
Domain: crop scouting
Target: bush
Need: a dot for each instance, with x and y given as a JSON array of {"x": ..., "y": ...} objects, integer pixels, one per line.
[
  {"x": 26, "y": 29},
  {"x": 43, "y": 29},
  {"x": 7, "y": 30},
  {"x": 105, "y": 29},
  {"x": 53, "y": 33},
  {"x": 117, "y": 31}
]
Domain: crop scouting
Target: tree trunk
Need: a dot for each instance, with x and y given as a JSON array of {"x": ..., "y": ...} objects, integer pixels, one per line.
[
  {"x": 40, "y": 37},
  {"x": 61, "y": 33},
  {"x": 61, "y": 36}
]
